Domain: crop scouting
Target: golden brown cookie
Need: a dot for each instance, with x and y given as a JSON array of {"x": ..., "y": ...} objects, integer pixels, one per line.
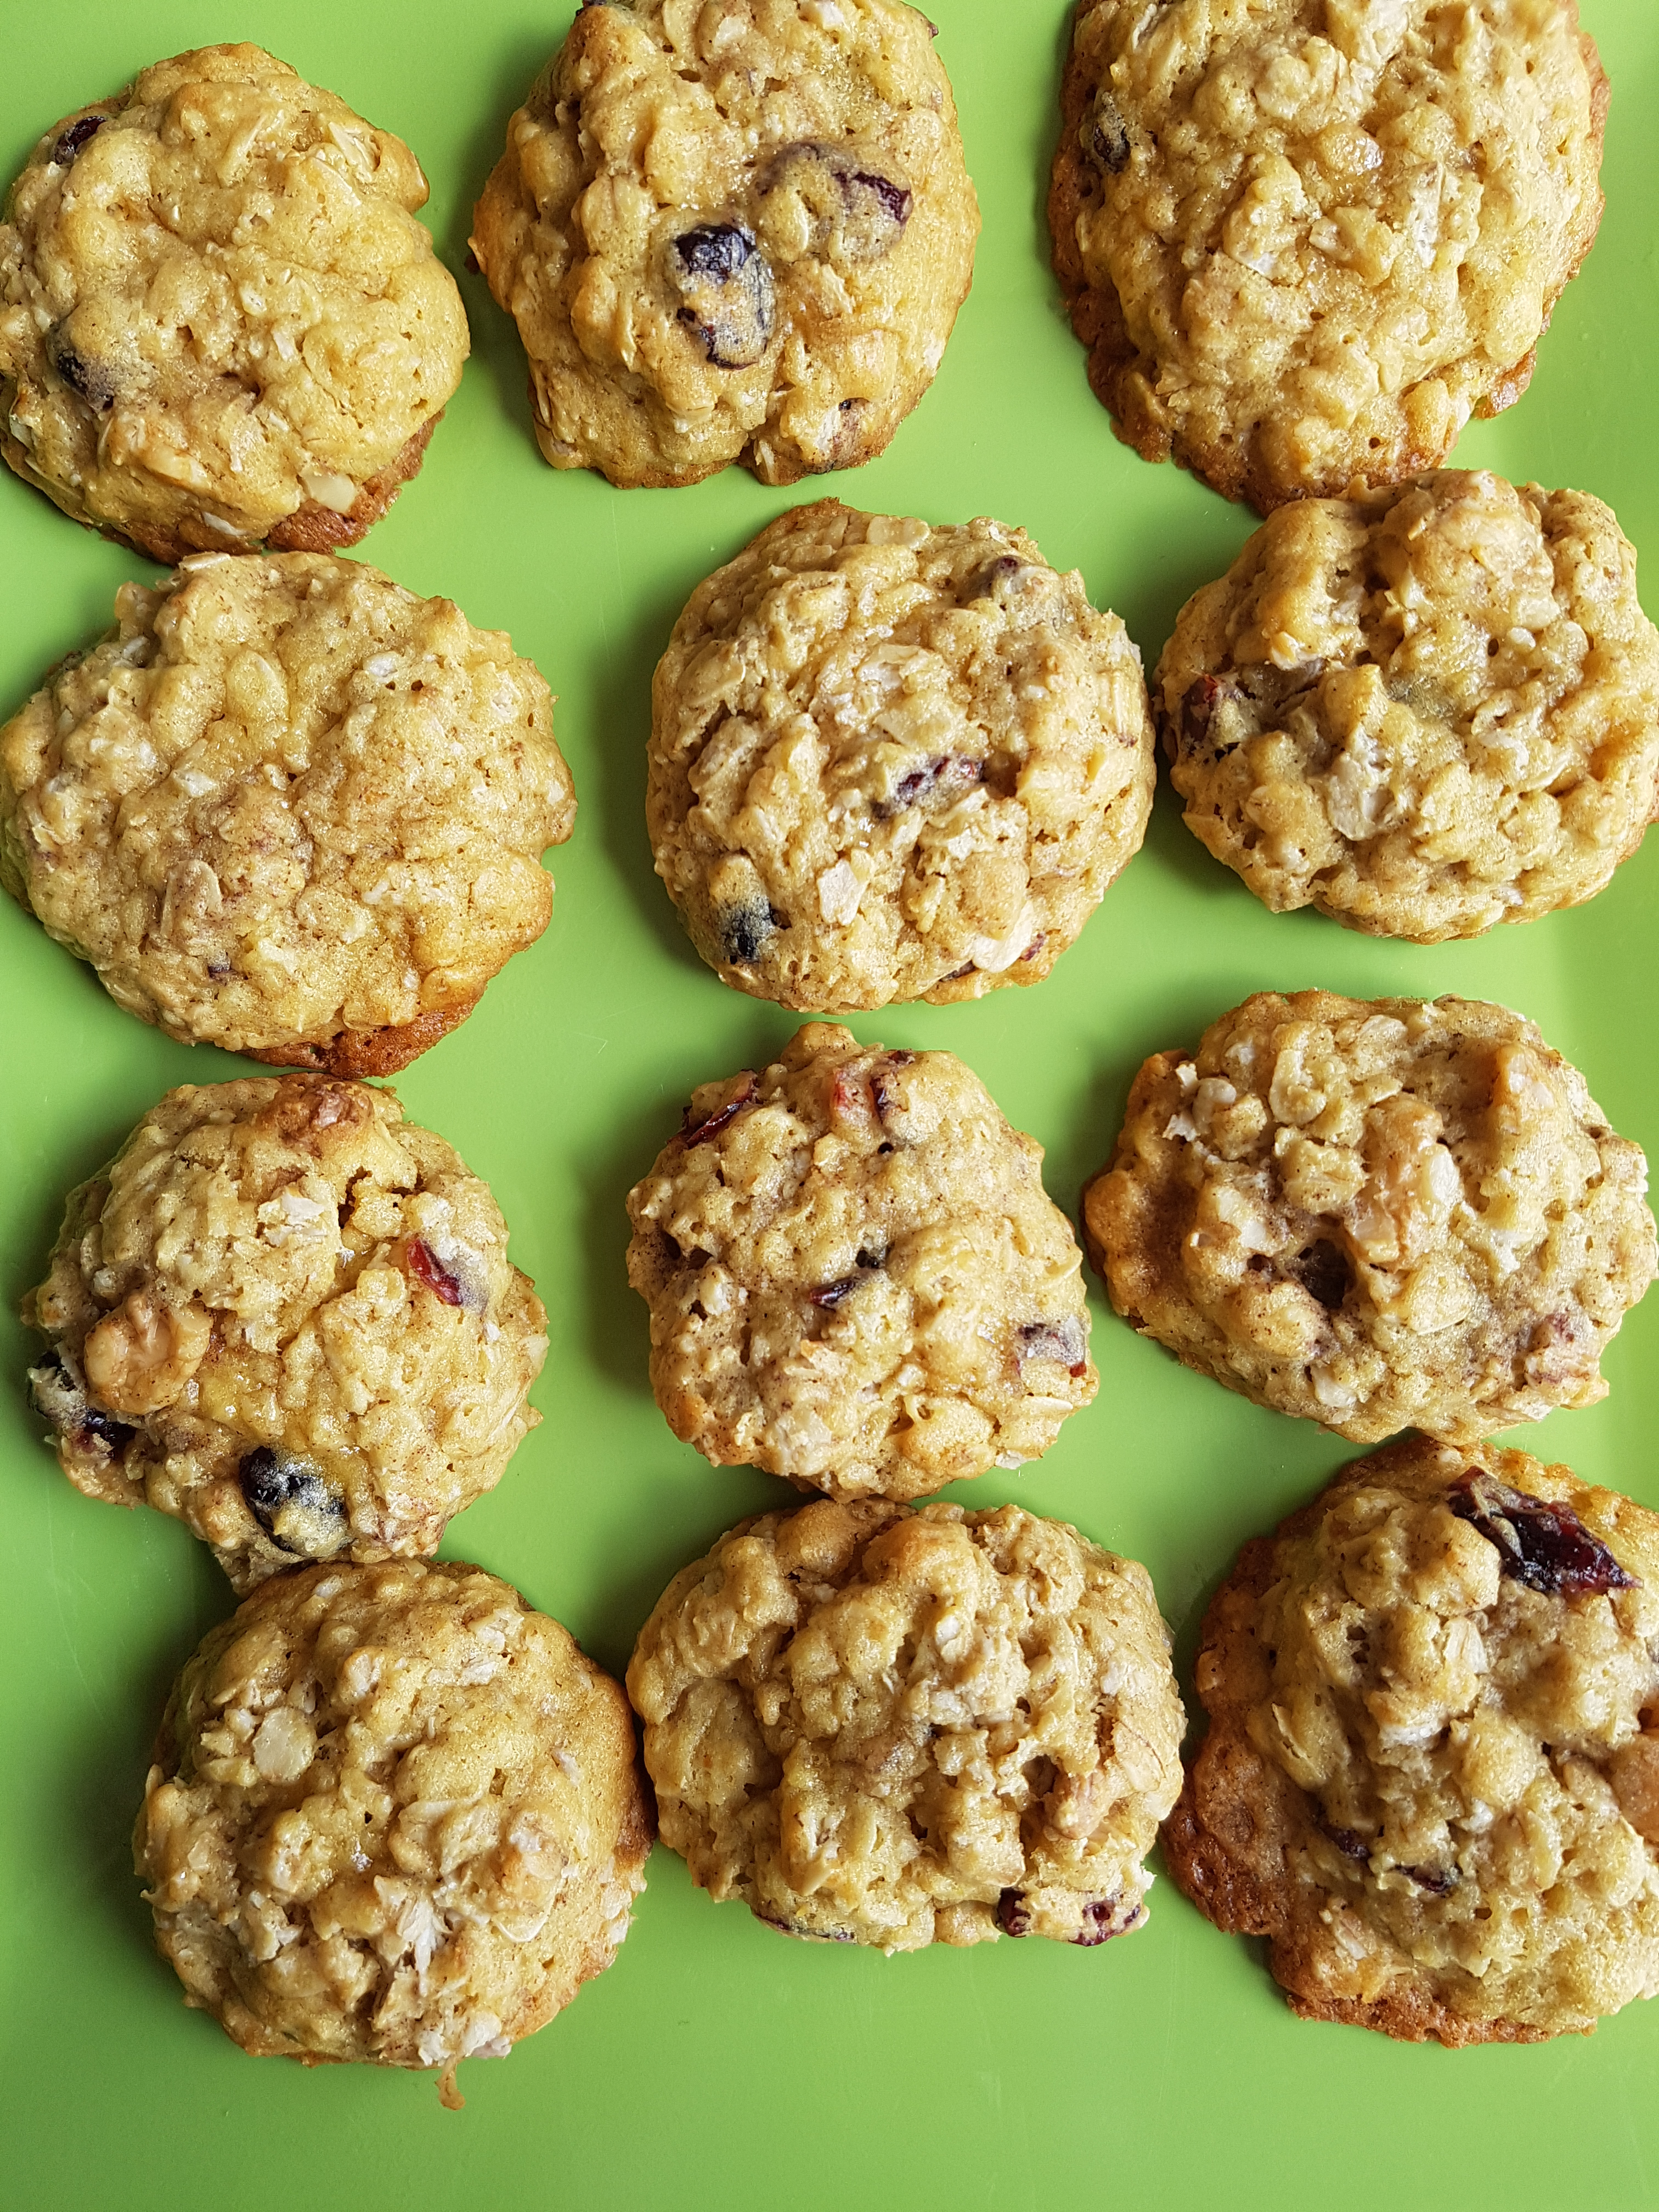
[
  {"x": 1376, "y": 1214},
  {"x": 1431, "y": 1775},
  {"x": 882, "y": 1725}
]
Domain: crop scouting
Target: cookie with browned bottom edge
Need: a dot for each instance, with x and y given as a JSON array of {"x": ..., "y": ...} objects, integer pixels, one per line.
[{"x": 1431, "y": 1774}]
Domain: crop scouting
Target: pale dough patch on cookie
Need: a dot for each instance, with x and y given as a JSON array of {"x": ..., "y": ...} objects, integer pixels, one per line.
[
  {"x": 898, "y": 1728},
  {"x": 889, "y": 761},
  {"x": 1375, "y": 1214},
  {"x": 395, "y": 1816},
  {"x": 856, "y": 1279}
]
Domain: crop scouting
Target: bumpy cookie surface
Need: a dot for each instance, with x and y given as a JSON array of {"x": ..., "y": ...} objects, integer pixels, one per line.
[
  {"x": 731, "y": 232},
  {"x": 890, "y": 762},
  {"x": 220, "y": 323},
  {"x": 395, "y": 1815},
  {"x": 286, "y": 1316},
  {"x": 856, "y": 1279},
  {"x": 1430, "y": 1776},
  {"x": 1305, "y": 239},
  {"x": 1423, "y": 711},
  {"x": 883, "y": 1726},
  {"x": 1375, "y": 1213},
  {"x": 289, "y": 808}
]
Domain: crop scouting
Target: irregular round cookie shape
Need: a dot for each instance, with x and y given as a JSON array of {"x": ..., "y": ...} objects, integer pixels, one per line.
[
  {"x": 221, "y": 324},
  {"x": 1422, "y": 711},
  {"x": 395, "y": 1815},
  {"x": 880, "y": 1725},
  {"x": 891, "y": 761},
  {"x": 856, "y": 1279},
  {"x": 287, "y": 807},
  {"x": 1376, "y": 1214},
  {"x": 286, "y": 1315},
  {"x": 1304, "y": 241},
  {"x": 1432, "y": 1777},
  {"x": 732, "y": 233}
]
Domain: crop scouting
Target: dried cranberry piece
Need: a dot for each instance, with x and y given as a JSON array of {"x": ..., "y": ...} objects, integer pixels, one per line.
[
  {"x": 805, "y": 1935},
  {"x": 1195, "y": 713},
  {"x": 1062, "y": 1340},
  {"x": 883, "y": 1090},
  {"x": 1012, "y": 1917},
  {"x": 1323, "y": 1272},
  {"x": 1099, "y": 1916},
  {"x": 1545, "y": 1547},
  {"x": 918, "y": 784},
  {"x": 699, "y": 1132},
  {"x": 70, "y": 141},
  {"x": 426, "y": 1267}
]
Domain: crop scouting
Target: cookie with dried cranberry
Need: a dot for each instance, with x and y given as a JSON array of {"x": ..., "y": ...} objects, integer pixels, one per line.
[
  {"x": 395, "y": 1816},
  {"x": 286, "y": 1316},
  {"x": 1376, "y": 1214},
  {"x": 1304, "y": 241},
  {"x": 1425, "y": 710},
  {"x": 1431, "y": 1775},
  {"x": 893, "y": 762},
  {"x": 896, "y": 1726},
  {"x": 289, "y": 808},
  {"x": 731, "y": 233},
  {"x": 856, "y": 1279},
  {"x": 221, "y": 324}
]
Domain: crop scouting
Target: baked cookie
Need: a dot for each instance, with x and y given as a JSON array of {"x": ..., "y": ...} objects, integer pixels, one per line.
[
  {"x": 856, "y": 1279},
  {"x": 287, "y": 807},
  {"x": 286, "y": 1316},
  {"x": 737, "y": 233},
  {"x": 890, "y": 762},
  {"x": 1422, "y": 711},
  {"x": 1375, "y": 1213},
  {"x": 221, "y": 324},
  {"x": 1431, "y": 1776},
  {"x": 875, "y": 1725},
  {"x": 394, "y": 1815},
  {"x": 1304, "y": 241}
]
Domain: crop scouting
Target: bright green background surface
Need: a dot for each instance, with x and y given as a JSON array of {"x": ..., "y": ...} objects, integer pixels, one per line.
[{"x": 715, "y": 2064}]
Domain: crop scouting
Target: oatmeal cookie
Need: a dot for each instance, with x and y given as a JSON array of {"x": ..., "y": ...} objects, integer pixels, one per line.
[
  {"x": 1422, "y": 711},
  {"x": 890, "y": 762},
  {"x": 856, "y": 1279},
  {"x": 221, "y": 324},
  {"x": 1431, "y": 1775},
  {"x": 881, "y": 1725},
  {"x": 1375, "y": 1213},
  {"x": 1304, "y": 241},
  {"x": 394, "y": 1815},
  {"x": 731, "y": 233},
  {"x": 289, "y": 808},
  {"x": 286, "y": 1316}
]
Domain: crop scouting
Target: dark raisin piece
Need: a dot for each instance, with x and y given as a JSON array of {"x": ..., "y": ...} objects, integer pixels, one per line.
[
  {"x": 1035, "y": 946},
  {"x": 70, "y": 141},
  {"x": 870, "y": 1256},
  {"x": 805, "y": 1935},
  {"x": 1196, "y": 712},
  {"x": 291, "y": 1502},
  {"x": 1545, "y": 1547},
  {"x": 1012, "y": 1917},
  {"x": 1350, "y": 1843},
  {"x": 726, "y": 286},
  {"x": 59, "y": 1398},
  {"x": 830, "y": 1295},
  {"x": 1439, "y": 1882},
  {"x": 1323, "y": 1270},
  {"x": 1062, "y": 1340},
  {"x": 884, "y": 1092},
  {"x": 91, "y": 381},
  {"x": 426, "y": 1267},
  {"x": 875, "y": 211},
  {"x": 699, "y": 1132},
  {"x": 948, "y": 773},
  {"x": 744, "y": 930},
  {"x": 1104, "y": 134},
  {"x": 218, "y": 970}
]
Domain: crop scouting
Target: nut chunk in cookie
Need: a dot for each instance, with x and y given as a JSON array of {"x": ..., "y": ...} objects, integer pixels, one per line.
[
  {"x": 731, "y": 233},
  {"x": 1304, "y": 241},
  {"x": 221, "y": 324},
  {"x": 1431, "y": 1775},
  {"x": 891, "y": 761},
  {"x": 394, "y": 1816},
  {"x": 286, "y": 807},
  {"x": 856, "y": 1279},
  {"x": 1423, "y": 710},
  {"x": 896, "y": 1726},
  {"x": 286, "y": 1316},
  {"x": 1375, "y": 1213}
]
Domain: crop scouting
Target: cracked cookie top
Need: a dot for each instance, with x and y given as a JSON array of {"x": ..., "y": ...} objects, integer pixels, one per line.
[
  {"x": 893, "y": 762},
  {"x": 286, "y": 1316},
  {"x": 221, "y": 324},
  {"x": 882, "y": 1725},
  {"x": 856, "y": 1279},
  {"x": 1376, "y": 1214},
  {"x": 289, "y": 808},
  {"x": 395, "y": 1815},
  {"x": 1305, "y": 239},
  {"x": 731, "y": 230},
  {"x": 1422, "y": 711},
  {"x": 1431, "y": 1776}
]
